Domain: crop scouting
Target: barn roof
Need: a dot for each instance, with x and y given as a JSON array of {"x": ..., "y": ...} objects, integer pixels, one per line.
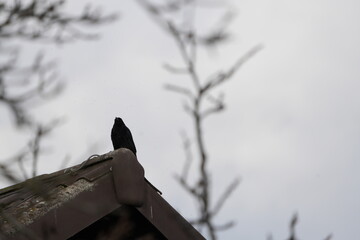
[{"x": 70, "y": 201}]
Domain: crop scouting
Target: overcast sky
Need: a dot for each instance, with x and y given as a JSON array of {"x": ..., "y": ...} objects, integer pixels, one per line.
[{"x": 290, "y": 131}]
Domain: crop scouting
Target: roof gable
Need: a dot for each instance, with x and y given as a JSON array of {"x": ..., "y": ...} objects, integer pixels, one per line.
[{"x": 60, "y": 205}]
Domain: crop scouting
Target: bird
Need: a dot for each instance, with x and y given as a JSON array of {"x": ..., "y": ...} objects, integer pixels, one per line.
[{"x": 121, "y": 137}]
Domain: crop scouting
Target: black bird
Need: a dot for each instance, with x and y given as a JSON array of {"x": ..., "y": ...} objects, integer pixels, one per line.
[{"x": 121, "y": 137}]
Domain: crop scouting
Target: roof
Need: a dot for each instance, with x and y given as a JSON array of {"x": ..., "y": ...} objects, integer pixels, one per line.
[{"x": 65, "y": 203}]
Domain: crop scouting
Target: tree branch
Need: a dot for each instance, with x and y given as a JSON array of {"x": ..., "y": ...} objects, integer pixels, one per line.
[
  {"x": 187, "y": 43},
  {"x": 222, "y": 199}
]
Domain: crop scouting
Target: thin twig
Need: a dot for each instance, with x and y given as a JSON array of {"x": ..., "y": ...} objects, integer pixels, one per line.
[
  {"x": 226, "y": 194},
  {"x": 188, "y": 157},
  {"x": 41, "y": 132},
  {"x": 9, "y": 175},
  {"x": 20, "y": 161},
  {"x": 179, "y": 89},
  {"x": 173, "y": 69}
]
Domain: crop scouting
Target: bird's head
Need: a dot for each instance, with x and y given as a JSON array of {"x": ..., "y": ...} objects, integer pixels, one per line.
[{"x": 119, "y": 121}]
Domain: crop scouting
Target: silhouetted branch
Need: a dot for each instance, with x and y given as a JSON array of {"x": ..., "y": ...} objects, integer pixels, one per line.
[
  {"x": 41, "y": 131},
  {"x": 157, "y": 12},
  {"x": 219, "y": 34},
  {"x": 30, "y": 153},
  {"x": 292, "y": 235},
  {"x": 292, "y": 226},
  {"x": 19, "y": 85},
  {"x": 8, "y": 174},
  {"x": 221, "y": 76},
  {"x": 181, "y": 90},
  {"x": 225, "y": 226},
  {"x": 43, "y": 19},
  {"x": 173, "y": 69},
  {"x": 188, "y": 42},
  {"x": 37, "y": 20},
  {"x": 22, "y": 87},
  {"x": 222, "y": 199},
  {"x": 189, "y": 58},
  {"x": 218, "y": 106},
  {"x": 189, "y": 159},
  {"x": 20, "y": 161},
  {"x": 192, "y": 190}
]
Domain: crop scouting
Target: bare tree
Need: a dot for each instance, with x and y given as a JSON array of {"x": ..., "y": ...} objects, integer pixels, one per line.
[
  {"x": 292, "y": 233},
  {"x": 201, "y": 100},
  {"x": 22, "y": 87}
]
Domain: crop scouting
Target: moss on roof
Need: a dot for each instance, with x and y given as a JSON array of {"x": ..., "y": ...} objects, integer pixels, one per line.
[
  {"x": 22, "y": 203},
  {"x": 27, "y": 211}
]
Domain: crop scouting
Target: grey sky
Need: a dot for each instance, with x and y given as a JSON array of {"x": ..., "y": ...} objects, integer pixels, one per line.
[{"x": 291, "y": 129}]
